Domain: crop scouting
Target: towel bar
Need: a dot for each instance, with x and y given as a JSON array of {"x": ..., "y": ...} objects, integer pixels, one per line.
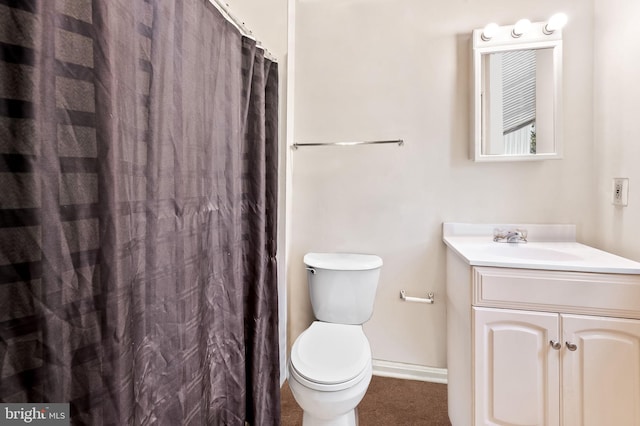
[
  {"x": 296, "y": 145},
  {"x": 429, "y": 299}
]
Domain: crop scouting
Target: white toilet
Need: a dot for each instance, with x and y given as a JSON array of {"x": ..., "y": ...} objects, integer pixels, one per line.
[{"x": 330, "y": 364}]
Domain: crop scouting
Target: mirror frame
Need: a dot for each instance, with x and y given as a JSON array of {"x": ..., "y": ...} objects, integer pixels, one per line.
[{"x": 503, "y": 41}]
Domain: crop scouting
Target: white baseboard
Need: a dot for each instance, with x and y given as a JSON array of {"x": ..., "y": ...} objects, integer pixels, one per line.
[{"x": 399, "y": 370}]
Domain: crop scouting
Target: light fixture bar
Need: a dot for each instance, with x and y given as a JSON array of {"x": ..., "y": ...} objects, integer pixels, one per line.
[{"x": 493, "y": 33}]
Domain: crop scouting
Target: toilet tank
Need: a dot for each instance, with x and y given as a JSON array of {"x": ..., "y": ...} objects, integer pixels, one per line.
[{"x": 342, "y": 286}]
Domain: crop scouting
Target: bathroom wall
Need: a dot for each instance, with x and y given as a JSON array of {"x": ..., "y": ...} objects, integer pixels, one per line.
[
  {"x": 616, "y": 119},
  {"x": 381, "y": 69}
]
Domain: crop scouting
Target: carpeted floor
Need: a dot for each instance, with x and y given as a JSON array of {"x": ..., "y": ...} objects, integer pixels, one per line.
[{"x": 388, "y": 402}]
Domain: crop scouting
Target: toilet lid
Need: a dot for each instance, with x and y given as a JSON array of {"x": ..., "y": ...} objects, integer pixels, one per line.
[{"x": 330, "y": 353}]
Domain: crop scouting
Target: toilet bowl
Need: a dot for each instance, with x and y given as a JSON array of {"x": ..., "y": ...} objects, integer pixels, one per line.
[
  {"x": 330, "y": 364},
  {"x": 329, "y": 373}
]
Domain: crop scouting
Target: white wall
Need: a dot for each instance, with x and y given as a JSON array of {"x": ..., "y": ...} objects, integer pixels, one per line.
[
  {"x": 617, "y": 122},
  {"x": 380, "y": 69}
]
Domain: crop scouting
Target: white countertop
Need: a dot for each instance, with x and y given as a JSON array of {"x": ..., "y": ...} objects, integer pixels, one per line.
[{"x": 551, "y": 247}]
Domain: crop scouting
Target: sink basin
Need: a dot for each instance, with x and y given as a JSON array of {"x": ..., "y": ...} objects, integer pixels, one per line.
[
  {"x": 522, "y": 251},
  {"x": 549, "y": 247}
]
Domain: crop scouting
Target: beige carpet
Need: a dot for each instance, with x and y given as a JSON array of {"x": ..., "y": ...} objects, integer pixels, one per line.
[{"x": 388, "y": 402}]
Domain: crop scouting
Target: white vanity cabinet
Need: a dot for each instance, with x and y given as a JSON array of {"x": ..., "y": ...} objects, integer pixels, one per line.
[
  {"x": 601, "y": 377},
  {"x": 538, "y": 368},
  {"x": 546, "y": 347},
  {"x": 516, "y": 376}
]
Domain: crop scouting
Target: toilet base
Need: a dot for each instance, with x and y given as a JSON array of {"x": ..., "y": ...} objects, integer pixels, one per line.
[
  {"x": 330, "y": 408},
  {"x": 348, "y": 419}
]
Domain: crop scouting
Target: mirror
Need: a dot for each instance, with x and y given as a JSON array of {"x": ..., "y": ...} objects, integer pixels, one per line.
[{"x": 517, "y": 86}]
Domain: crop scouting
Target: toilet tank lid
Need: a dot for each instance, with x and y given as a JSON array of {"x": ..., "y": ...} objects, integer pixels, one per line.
[{"x": 343, "y": 261}]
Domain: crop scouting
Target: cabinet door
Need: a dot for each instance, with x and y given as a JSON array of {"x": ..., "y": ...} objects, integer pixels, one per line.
[
  {"x": 516, "y": 370},
  {"x": 601, "y": 373}
]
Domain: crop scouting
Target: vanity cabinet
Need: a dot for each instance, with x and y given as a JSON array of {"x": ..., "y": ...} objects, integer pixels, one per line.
[
  {"x": 517, "y": 377},
  {"x": 541, "y": 368},
  {"x": 601, "y": 376},
  {"x": 540, "y": 347}
]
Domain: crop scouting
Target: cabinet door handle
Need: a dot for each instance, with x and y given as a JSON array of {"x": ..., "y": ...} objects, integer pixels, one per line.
[
  {"x": 572, "y": 347},
  {"x": 555, "y": 344}
]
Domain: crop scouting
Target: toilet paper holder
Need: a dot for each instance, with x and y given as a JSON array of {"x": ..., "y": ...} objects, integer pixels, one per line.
[{"x": 429, "y": 299}]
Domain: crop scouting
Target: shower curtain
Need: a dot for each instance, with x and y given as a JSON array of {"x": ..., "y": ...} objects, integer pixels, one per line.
[{"x": 138, "y": 180}]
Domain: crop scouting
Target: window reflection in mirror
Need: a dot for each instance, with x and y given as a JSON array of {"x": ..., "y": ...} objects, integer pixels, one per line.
[{"x": 518, "y": 93}]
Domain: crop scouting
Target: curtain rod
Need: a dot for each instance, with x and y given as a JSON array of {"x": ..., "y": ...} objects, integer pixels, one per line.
[
  {"x": 296, "y": 145},
  {"x": 224, "y": 9}
]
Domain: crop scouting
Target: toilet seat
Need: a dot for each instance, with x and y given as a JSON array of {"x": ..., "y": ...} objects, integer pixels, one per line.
[{"x": 329, "y": 356}]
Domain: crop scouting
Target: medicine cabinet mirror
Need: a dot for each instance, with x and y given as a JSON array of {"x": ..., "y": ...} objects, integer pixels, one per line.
[{"x": 517, "y": 87}]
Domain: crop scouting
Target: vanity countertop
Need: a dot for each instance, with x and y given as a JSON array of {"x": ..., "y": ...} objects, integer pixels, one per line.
[{"x": 551, "y": 247}]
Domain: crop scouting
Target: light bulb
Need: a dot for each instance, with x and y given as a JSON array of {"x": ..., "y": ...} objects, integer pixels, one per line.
[
  {"x": 521, "y": 27},
  {"x": 489, "y": 31},
  {"x": 556, "y": 22}
]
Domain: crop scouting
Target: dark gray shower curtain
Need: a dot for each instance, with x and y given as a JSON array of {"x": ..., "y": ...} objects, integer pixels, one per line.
[{"x": 138, "y": 180}]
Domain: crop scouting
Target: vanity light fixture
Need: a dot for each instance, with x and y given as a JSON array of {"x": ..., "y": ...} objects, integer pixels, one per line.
[
  {"x": 556, "y": 22},
  {"x": 489, "y": 31},
  {"x": 521, "y": 27}
]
